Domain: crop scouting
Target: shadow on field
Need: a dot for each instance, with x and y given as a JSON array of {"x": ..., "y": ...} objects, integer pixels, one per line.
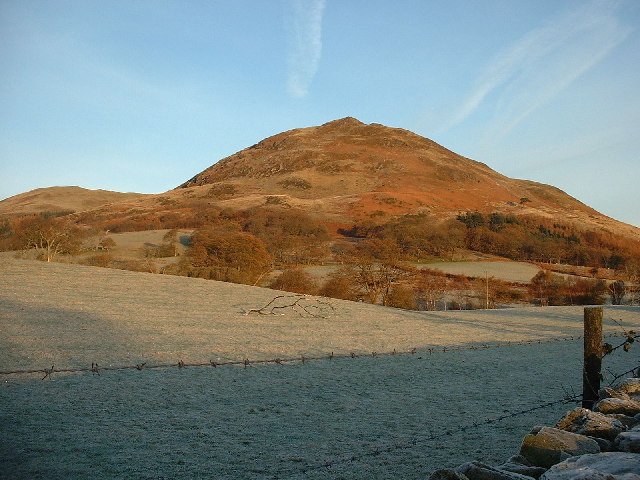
[
  {"x": 38, "y": 337},
  {"x": 540, "y": 322},
  {"x": 490, "y": 320}
]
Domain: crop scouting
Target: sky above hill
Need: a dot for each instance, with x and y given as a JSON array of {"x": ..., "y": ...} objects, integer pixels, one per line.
[{"x": 140, "y": 96}]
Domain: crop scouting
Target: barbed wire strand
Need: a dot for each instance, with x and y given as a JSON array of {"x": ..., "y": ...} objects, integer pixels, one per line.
[
  {"x": 415, "y": 441},
  {"x": 96, "y": 368}
]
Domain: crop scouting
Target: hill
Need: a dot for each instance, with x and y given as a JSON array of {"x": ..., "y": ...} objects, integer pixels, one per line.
[
  {"x": 302, "y": 189},
  {"x": 347, "y": 170},
  {"x": 57, "y": 200},
  {"x": 342, "y": 172}
]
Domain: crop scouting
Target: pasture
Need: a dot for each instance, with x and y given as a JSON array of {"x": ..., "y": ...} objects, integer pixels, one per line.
[{"x": 264, "y": 421}]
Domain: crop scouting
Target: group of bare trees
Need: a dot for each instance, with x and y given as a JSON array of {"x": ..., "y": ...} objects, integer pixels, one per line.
[
  {"x": 548, "y": 288},
  {"x": 376, "y": 271},
  {"x": 244, "y": 247},
  {"x": 519, "y": 238},
  {"x": 48, "y": 236},
  {"x": 229, "y": 256}
]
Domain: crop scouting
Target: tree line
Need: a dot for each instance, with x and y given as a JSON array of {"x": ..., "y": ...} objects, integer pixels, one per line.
[
  {"x": 245, "y": 246},
  {"x": 374, "y": 272}
]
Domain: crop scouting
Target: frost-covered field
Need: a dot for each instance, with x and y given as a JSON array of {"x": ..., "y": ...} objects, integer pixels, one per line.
[
  {"x": 71, "y": 316},
  {"x": 265, "y": 421},
  {"x": 274, "y": 421},
  {"x": 509, "y": 271}
]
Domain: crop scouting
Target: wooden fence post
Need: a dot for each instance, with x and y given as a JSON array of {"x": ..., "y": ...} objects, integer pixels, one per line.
[{"x": 592, "y": 356}]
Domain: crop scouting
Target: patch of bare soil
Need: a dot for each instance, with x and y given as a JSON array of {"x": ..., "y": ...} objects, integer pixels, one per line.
[{"x": 71, "y": 315}]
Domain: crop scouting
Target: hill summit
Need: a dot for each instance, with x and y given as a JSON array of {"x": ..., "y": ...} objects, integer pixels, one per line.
[{"x": 347, "y": 167}]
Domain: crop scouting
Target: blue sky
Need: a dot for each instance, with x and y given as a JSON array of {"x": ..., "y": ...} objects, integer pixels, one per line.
[{"x": 142, "y": 95}]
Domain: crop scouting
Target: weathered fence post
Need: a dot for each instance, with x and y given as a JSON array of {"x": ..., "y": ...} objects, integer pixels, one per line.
[{"x": 592, "y": 356}]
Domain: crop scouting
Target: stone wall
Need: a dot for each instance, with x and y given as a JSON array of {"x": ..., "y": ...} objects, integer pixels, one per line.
[{"x": 598, "y": 444}]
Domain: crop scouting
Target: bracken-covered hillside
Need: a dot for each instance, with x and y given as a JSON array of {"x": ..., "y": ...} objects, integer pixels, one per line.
[{"x": 362, "y": 169}]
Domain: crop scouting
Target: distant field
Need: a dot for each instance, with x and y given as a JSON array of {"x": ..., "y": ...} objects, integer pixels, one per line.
[
  {"x": 520, "y": 272},
  {"x": 508, "y": 271},
  {"x": 131, "y": 245},
  {"x": 269, "y": 421}
]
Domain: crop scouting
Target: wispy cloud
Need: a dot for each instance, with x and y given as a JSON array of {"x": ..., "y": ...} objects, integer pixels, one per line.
[
  {"x": 305, "y": 48},
  {"x": 533, "y": 70}
]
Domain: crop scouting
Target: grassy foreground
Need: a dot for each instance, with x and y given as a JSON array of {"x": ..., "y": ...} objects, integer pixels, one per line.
[{"x": 368, "y": 417}]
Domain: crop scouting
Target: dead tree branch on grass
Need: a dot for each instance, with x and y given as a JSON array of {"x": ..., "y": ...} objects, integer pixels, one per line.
[{"x": 303, "y": 305}]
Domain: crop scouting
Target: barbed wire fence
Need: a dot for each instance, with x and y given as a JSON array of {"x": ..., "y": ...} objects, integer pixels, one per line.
[
  {"x": 413, "y": 442},
  {"x": 373, "y": 452},
  {"x": 96, "y": 369},
  {"x": 630, "y": 337},
  {"x": 626, "y": 337}
]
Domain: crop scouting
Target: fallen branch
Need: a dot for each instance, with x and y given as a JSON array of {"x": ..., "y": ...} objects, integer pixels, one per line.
[{"x": 303, "y": 305}]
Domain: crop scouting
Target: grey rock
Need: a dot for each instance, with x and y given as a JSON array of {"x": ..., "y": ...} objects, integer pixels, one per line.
[
  {"x": 617, "y": 405},
  {"x": 605, "y": 445},
  {"x": 603, "y": 466},
  {"x": 628, "y": 386},
  {"x": 546, "y": 446},
  {"x": 481, "y": 471},
  {"x": 608, "y": 392},
  {"x": 519, "y": 459},
  {"x": 626, "y": 420},
  {"x": 591, "y": 424},
  {"x": 447, "y": 474},
  {"x": 519, "y": 464},
  {"x": 628, "y": 441}
]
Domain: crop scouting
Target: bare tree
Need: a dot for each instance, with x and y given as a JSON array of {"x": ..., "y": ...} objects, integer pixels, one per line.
[
  {"x": 617, "y": 291},
  {"x": 301, "y": 305},
  {"x": 171, "y": 237},
  {"x": 376, "y": 267},
  {"x": 296, "y": 280},
  {"x": 431, "y": 288},
  {"x": 48, "y": 236}
]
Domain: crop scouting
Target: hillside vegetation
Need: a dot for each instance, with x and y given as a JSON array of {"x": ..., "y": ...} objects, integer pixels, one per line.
[{"x": 376, "y": 263}]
